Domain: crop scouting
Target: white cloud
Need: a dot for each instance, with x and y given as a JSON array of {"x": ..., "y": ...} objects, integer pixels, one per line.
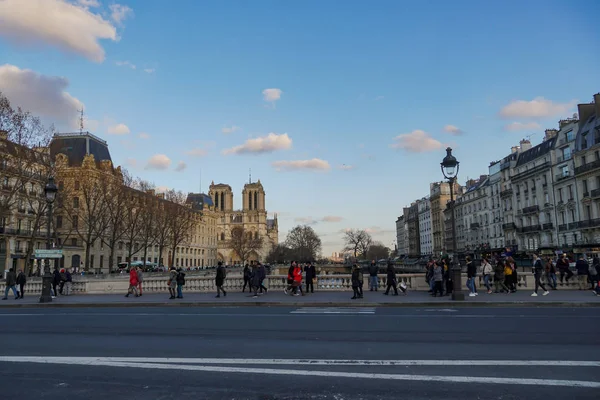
[
  {"x": 128, "y": 144},
  {"x": 119, "y": 13},
  {"x": 149, "y": 70},
  {"x": 332, "y": 218},
  {"x": 144, "y": 135},
  {"x": 71, "y": 27},
  {"x": 346, "y": 167},
  {"x": 89, "y": 3},
  {"x": 417, "y": 141},
  {"x": 180, "y": 166},
  {"x": 131, "y": 162},
  {"x": 118, "y": 129},
  {"x": 43, "y": 95},
  {"x": 522, "y": 126},
  {"x": 315, "y": 164},
  {"x": 229, "y": 129},
  {"x": 125, "y": 64},
  {"x": 158, "y": 161},
  {"x": 272, "y": 95},
  {"x": 265, "y": 144},
  {"x": 162, "y": 189},
  {"x": 379, "y": 98},
  {"x": 197, "y": 152},
  {"x": 305, "y": 221},
  {"x": 377, "y": 231},
  {"x": 536, "y": 108},
  {"x": 453, "y": 130}
]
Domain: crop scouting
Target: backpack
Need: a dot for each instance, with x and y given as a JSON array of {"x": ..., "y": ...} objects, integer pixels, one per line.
[{"x": 181, "y": 278}]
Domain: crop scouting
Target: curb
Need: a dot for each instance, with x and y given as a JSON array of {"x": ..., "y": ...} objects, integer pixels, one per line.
[{"x": 514, "y": 304}]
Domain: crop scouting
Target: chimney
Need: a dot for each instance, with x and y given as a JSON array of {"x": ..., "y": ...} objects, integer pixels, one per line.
[
  {"x": 597, "y": 102},
  {"x": 525, "y": 144},
  {"x": 514, "y": 149},
  {"x": 550, "y": 133}
]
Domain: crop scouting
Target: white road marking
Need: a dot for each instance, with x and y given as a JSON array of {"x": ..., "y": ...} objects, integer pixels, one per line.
[
  {"x": 441, "y": 310},
  {"x": 334, "y": 310},
  {"x": 275, "y": 361},
  {"x": 90, "y": 361}
]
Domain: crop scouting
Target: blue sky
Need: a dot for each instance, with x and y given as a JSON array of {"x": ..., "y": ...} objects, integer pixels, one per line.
[{"x": 368, "y": 93}]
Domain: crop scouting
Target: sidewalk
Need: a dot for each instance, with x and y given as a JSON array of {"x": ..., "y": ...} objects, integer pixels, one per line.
[{"x": 574, "y": 298}]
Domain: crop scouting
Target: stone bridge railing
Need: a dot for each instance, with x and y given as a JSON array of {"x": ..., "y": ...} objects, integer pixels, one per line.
[{"x": 204, "y": 284}]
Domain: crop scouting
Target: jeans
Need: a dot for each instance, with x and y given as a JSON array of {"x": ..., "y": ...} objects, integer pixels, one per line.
[
  {"x": 14, "y": 289},
  {"x": 179, "y": 291},
  {"x": 373, "y": 282},
  {"x": 551, "y": 278},
  {"x": 538, "y": 283},
  {"x": 471, "y": 285},
  {"x": 582, "y": 281},
  {"x": 486, "y": 282},
  {"x": 431, "y": 285}
]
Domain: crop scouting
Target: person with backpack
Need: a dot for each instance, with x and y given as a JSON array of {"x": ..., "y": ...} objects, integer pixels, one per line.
[
  {"x": 373, "y": 270},
  {"x": 220, "y": 279},
  {"x": 488, "y": 273},
  {"x": 538, "y": 270},
  {"x": 21, "y": 281},
  {"x": 471, "y": 274},
  {"x": 180, "y": 279},
  {"x": 10, "y": 284},
  {"x": 172, "y": 283}
]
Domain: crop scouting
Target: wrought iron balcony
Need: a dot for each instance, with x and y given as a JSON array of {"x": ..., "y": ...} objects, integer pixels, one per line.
[
  {"x": 531, "y": 209},
  {"x": 508, "y": 226},
  {"x": 548, "y": 226},
  {"x": 595, "y": 193},
  {"x": 587, "y": 167}
]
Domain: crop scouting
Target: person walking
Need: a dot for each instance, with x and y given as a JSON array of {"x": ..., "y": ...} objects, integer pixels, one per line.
[
  {"x": 392, "y": 281},
  {"x": 488, "y": 273},
  {"x": 562, "y": 264},
  {"x": 140, "y": 274},
  {"x": 172, "y": 283},
  {"x": 583, "y": 270},
  {"x": 56, "y": 279},
  {"x": 438, "y": 278},
  {"x": 310, "y": 275},
  {"x": 373, "y": 281},
  {"x": 247, "y": 276},
  {"x": 255, "y": 281},
  {"x": 69, "y": 282},
  {"x": 538, "y": 270},
  {"x": 550, "y": 273},
  {"x": 133, "y": 282},
  {"x": 262, "y": 272},
  {"x": 220, "y": 279},
  {"x": 290, "y": 278},
  {"x": 508, "y": 271},
  {"x": 21, "y": 281},
  {"x": 180, "y": 283},
  {"x": 297, "y": 276},
  {"x": 11, "y": 284},
  {"x": 594, "y": 268},
  {"x": 499, "y": 278},
  {"x": 360, "y": 280},
  {"x": 356, "y": 282},
  {"x": 471, "y": 274}
]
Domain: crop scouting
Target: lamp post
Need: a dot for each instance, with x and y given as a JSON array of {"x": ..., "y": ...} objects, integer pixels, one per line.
[
  {"x": 450, "y": 168},
  {"x": 50, "y": 191}
]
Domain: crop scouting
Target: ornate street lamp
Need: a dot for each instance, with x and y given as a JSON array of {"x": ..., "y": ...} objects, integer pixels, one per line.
[
  {"x": 450, "y": 167},
  {"x": 50, "y": 191}
]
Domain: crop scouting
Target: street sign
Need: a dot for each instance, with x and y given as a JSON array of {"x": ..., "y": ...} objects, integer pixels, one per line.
[{"x": 52, "y": 253}]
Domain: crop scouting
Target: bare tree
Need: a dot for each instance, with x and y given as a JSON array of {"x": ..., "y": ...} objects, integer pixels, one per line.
[
  {"x": 134, "y": 213},
  {"x": 181, "y": 220},
  {"x": 162, "y": 229},
  {"x": 279, "y": 254},
  {"x": 378, "y": 251},
  {"x": 116, "y": 198},
  {"x": 243, "y": 243},
  {"x": 304, "y": 243},
  {"x": 357, "y": 241}
]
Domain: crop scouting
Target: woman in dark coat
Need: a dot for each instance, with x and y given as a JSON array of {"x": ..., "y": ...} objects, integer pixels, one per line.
[
  {"x": 356, "y": 282},
  {"x": 311, "y": 274}
]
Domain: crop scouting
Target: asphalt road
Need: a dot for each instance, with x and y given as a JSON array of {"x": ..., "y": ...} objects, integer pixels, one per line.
[{"x": 286, "y": 353}]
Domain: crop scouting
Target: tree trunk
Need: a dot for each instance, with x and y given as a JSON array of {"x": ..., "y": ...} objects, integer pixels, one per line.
[
  {"x": 160, "y": 253},
  {"x": 111, "y": 257},
  {"x": 173, "y": 255},
  {"x": 145, "y": 255},
  {"x": 86, "y": 265}
]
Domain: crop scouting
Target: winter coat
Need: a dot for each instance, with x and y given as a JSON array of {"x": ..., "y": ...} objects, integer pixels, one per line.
[
  {"x": 56, "y": 277},
  {"x": 70, "y": 277},
  {"x": 438, "y": 273},
  {"x": 356, "y": 282},
  {"x": 582, "y": 267},
  {"x": 181, "y": 278},
  {"x": 140, "y": 276},
  {"x": 538, "y": 267},
  {"x": 262, "y": 271},
  {"x": 499, "y": 272},
  {"x": 247, "y": 273},
  {"x": 471, "y": 270},
  {"x": 311, "y": 272},
  {"x": 487, "y": 269},
  {"x": 21, "y": 279},
  {"x": 11, "y": 279},
  {"x": 221, "y": 275},
  {"x": 373, "y": 270},
  {"x": 297, "y": 274},
  {"x": 562, "y": 264},
  {"x": 360, "y": 275},
  {"x": 133, "y": 278},
  {"x": 391, "y": 274},
  {"x": 255, "y": 277}
]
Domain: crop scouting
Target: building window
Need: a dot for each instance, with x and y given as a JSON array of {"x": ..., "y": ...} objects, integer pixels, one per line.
[
  {"x": 560, "y": 194},
  {"x": 570, "y": 135},
  {"x": 75, "y": 221},
  {"x": 566, "y": 154},
  {"x": 570, "y": 189},
  {"x": 76, "y": 185},
  {"x": 585, "y": 185},
  {"x": 73, "y": 241},
  {"x": 75, "y": 202}
]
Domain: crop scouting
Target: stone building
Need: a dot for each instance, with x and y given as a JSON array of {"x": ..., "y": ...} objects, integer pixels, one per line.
[
  {"x": 411, "y": 216},
  {"x": 496, "y": 234},
  {"x": 472, "y": 217},
  {"x": 401, "y": 236},
  {"x": 425, "y": 231},
  {"x": 509, "y": 226},
  {"x": 439, "y": 196},
  {"x": 83, "y": 163},
  {"x": 252, "y": 218}
]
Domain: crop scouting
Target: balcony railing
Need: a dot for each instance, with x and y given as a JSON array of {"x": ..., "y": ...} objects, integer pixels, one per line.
[
  {"x": 587, "y": 167},
  {"x": 595, "y": 193},
  {"x": 531, "y": 209},
  {"x": 532, "y": 228},
  {"x": 573, "y": 225},
  {"x": 508, "y": 226},
  {"x": 564, "y": 175},
  {"x": 563, "y": 227},
  {"x": 586, "y": 194},
  {"x": 589, "y": 223},
  {"x": 506, "y": 192},
  {"x": 564, "y": 158},
  {"x": 475, "y": 225},
  {"x": 548, "y": 226}
]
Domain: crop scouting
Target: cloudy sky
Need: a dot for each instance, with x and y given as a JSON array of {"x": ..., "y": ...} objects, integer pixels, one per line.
[{"x": 343, "y": 113}]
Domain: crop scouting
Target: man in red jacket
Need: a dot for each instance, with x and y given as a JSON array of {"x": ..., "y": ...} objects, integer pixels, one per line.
[{"x": 133, "y": 282}]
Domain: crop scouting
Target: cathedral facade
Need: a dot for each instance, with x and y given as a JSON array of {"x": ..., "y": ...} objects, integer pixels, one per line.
[{"x": 252, "y": 218}]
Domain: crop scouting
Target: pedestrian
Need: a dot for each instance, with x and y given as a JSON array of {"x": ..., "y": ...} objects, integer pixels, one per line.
[
  {"x": 56, "y": 279},
  {"x": 583, "y": 270},
  {"x": 262, "y": 273},
  {"x": 438, "y": 278},
  {"x": 499, "y": 278},
  {"x": 538, "y": 270},
  {"x": 140, "y": 275},
  {"x": 297, "y": 276},
  {"x": 310, "y": 276},
  {"x": 356, "y": 282},
  {"x": 180, "y": 283},
  {"x": 172, "y": 283},
  {"x": 247, "y": 276},
  {"x": 373, "y": 270},
  {"x": 447, "y": 276},
  {"x": 429, "y": 274},
  {"x": 290, "y": 278},
  {"x": 508, "y": 272},
  {"x": 550, "y": 273},
  {"x": 133, "y": 282},
  {"x": 21, "y": 281},
  {"x": 392, "y": 281},
  {"x": 594, "y": 268},
  {"x": 360, "y": 280},
  {"x": 68, "y": 282},
  {"x": 562, "y": 264},
  {"x": 11, "y": 284},
  {"x": 255, "y": 281},
  {"x": 488, "y": 272},
  {"x": 220, "y": 279},
  {"x": 471, "y": 274}
]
